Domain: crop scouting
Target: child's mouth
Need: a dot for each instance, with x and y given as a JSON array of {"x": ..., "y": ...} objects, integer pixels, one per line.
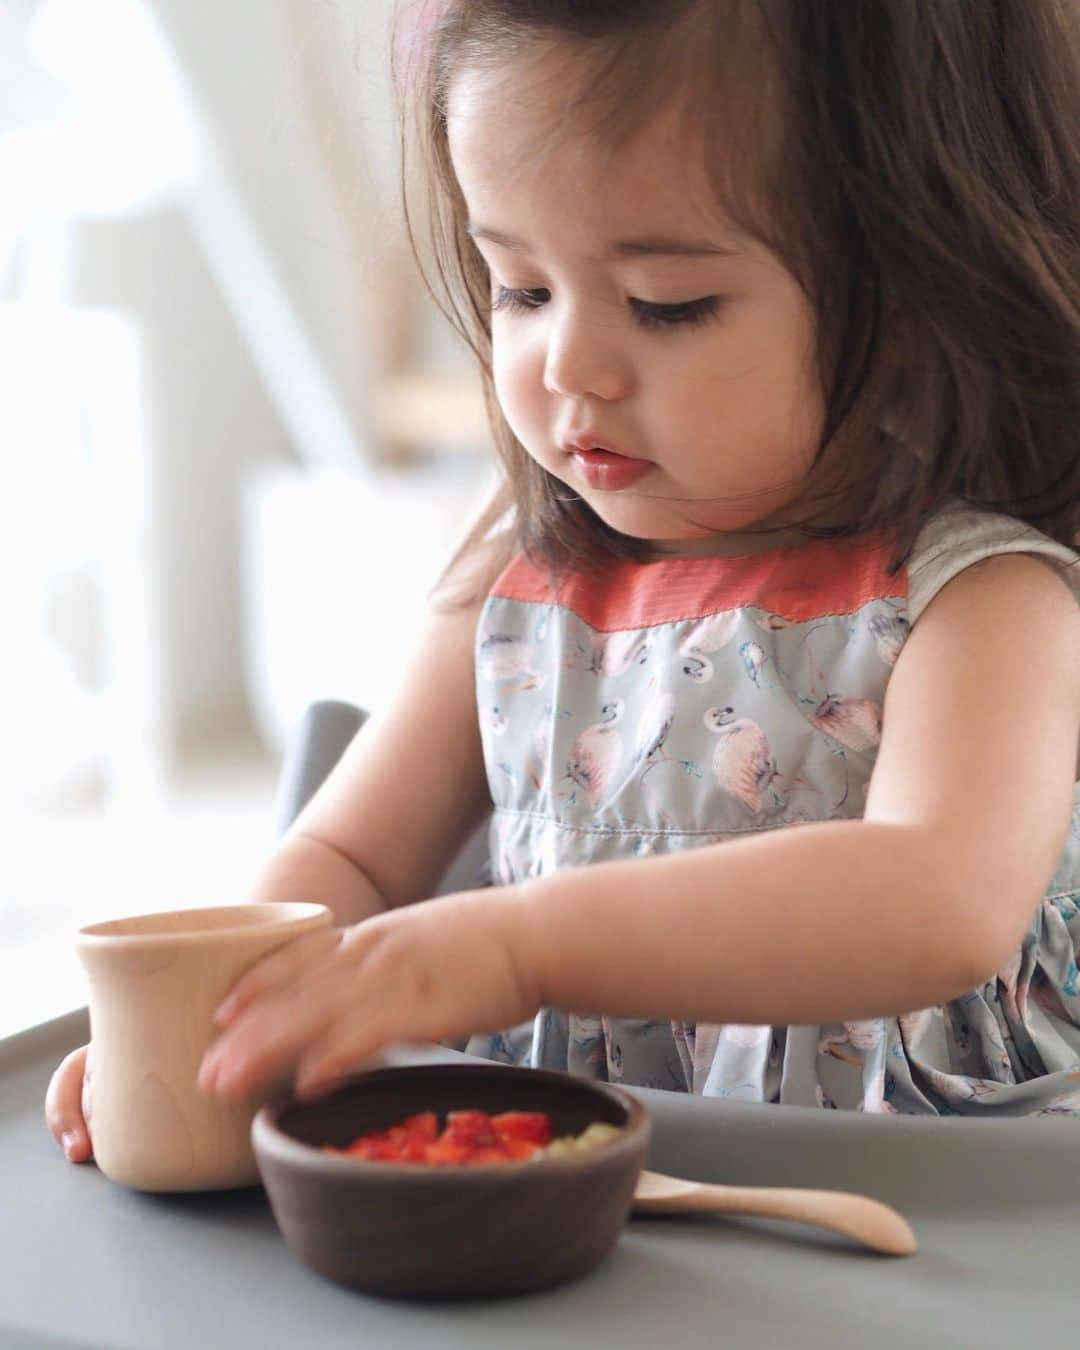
[{"x": 607, "y": 470}]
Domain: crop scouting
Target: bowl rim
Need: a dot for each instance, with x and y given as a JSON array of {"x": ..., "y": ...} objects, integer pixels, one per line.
[
  {"x": 269, "y": 1137},
  {"x": 280, "y": 914}
]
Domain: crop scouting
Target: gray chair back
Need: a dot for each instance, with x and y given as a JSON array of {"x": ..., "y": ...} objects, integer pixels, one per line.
[{"x": 324, "y": 732}]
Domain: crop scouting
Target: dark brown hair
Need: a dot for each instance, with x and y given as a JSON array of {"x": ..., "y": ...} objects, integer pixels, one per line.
[{"x": 913, "y": 164}]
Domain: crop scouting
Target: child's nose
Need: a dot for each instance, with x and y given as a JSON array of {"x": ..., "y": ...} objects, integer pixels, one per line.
[{"x": 583, "y": 357}]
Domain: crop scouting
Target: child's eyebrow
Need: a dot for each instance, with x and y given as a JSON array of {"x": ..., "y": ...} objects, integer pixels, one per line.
[{"x": 624, "y": 248}]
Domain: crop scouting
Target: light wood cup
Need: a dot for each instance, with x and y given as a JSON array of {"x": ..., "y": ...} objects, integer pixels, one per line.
[{"x": 155, "y": 980}]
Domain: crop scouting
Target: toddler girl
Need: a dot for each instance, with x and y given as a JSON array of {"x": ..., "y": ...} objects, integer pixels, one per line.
[{"x": 766, "y": 658}]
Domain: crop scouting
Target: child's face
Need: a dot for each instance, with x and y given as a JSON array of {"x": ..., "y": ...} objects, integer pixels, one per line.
[{"x": 720, "y": 399}]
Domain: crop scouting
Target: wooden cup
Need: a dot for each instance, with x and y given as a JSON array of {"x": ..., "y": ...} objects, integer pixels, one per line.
[{"x": 155, "y": 980}]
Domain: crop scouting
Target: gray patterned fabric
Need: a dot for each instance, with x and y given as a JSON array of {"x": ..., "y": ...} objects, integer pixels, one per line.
[{"x": 668, "y": 705}]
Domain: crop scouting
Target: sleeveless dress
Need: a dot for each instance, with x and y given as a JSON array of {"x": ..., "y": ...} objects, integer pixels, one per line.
[{"x": 661, "y": 706}]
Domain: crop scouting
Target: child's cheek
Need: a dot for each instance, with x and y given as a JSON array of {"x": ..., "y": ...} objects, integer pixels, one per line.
[{"x": 518, "y": 377}]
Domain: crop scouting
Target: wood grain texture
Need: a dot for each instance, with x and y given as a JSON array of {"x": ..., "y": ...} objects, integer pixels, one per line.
[
  {"x": 868, "y": 1221},
  {"x": 155, "y": 981}
]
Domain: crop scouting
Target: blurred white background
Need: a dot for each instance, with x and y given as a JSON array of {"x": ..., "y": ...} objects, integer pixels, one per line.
[{"x": 238, "y": 441}]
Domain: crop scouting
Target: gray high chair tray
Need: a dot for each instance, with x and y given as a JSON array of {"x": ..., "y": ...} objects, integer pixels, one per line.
[{"x": 995, "y": 1205}]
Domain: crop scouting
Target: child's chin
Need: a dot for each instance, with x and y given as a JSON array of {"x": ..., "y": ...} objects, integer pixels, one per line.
[
  {"x": 665, "y": 535},
  {"x": 637, "y": 521}
]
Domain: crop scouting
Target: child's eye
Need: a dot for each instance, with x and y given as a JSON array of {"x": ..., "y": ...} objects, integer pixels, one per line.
[
  {"x": 668, "y": 316},
  {"x": 648, "y": 314},
  {"x": 517, "y": 301}
]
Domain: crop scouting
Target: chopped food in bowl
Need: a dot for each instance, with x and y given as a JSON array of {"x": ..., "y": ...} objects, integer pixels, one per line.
[
  {"x": 453, "y": 1180},
  {"x": 470, "y": 1137}
]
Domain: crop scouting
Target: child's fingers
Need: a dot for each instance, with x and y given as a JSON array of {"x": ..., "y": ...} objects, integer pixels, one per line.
[
  {"x": 280, "y": 965},
  {"x": 341, "y": 1049},
  {"x": 262, "y": 1043},
  {"x": 63, "y": 1107}
]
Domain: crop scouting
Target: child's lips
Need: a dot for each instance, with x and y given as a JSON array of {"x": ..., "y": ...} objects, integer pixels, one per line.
[{"x": 606, "y": 469}]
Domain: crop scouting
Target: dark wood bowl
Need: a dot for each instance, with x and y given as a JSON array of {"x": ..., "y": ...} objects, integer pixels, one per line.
[{"x": 421, "y": 1231}]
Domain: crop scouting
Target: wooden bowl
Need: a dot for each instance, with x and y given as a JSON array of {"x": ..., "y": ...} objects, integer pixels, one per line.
[{"x": 422, "y": 1231}]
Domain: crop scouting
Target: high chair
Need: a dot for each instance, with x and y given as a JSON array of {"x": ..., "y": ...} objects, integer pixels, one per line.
[{"x": 313, "y": 749}]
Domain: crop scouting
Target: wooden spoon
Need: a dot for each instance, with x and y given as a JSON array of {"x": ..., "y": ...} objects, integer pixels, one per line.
[{"x": 856, "y": 1216}]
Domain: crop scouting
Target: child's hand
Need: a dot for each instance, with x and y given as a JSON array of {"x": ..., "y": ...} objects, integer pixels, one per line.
[
  {"x": 67, "y": 1105},
  {"x": 323, "y": 1003}
]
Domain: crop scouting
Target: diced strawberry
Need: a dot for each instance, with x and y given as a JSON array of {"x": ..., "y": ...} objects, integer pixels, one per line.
[
  {"x": 534, "y": 1125},
  {"x": 486, "y": 1154},
  {"x": 425, "y": 1123},
  {"x": 471, "y": 1136},
  {"x": 375, "y": 1147},
  {"x": 469, "y": 1127},
  {"x": 521, "y": 1148},
  {"x": 445, "y": 1150},
  {"x": 413, "y": 1148}
]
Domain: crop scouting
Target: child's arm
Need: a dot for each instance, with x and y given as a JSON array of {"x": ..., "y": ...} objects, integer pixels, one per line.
[
  {"x": 924, "y": 899},
  {"x": 387, "y": 822},
  {"x": 917, "y": 903}
]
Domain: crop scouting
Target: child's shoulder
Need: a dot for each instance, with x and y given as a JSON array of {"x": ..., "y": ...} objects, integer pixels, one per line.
[{"x": 958, "y": 535}]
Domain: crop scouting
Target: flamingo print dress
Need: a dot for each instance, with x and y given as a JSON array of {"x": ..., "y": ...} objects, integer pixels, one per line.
[{"x": 663, "y": 706}]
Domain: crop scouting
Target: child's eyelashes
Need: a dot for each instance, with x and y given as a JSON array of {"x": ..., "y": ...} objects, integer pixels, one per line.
[
  {"x": 646, "y": 312},
  {"x": 517, "y": 301}
]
